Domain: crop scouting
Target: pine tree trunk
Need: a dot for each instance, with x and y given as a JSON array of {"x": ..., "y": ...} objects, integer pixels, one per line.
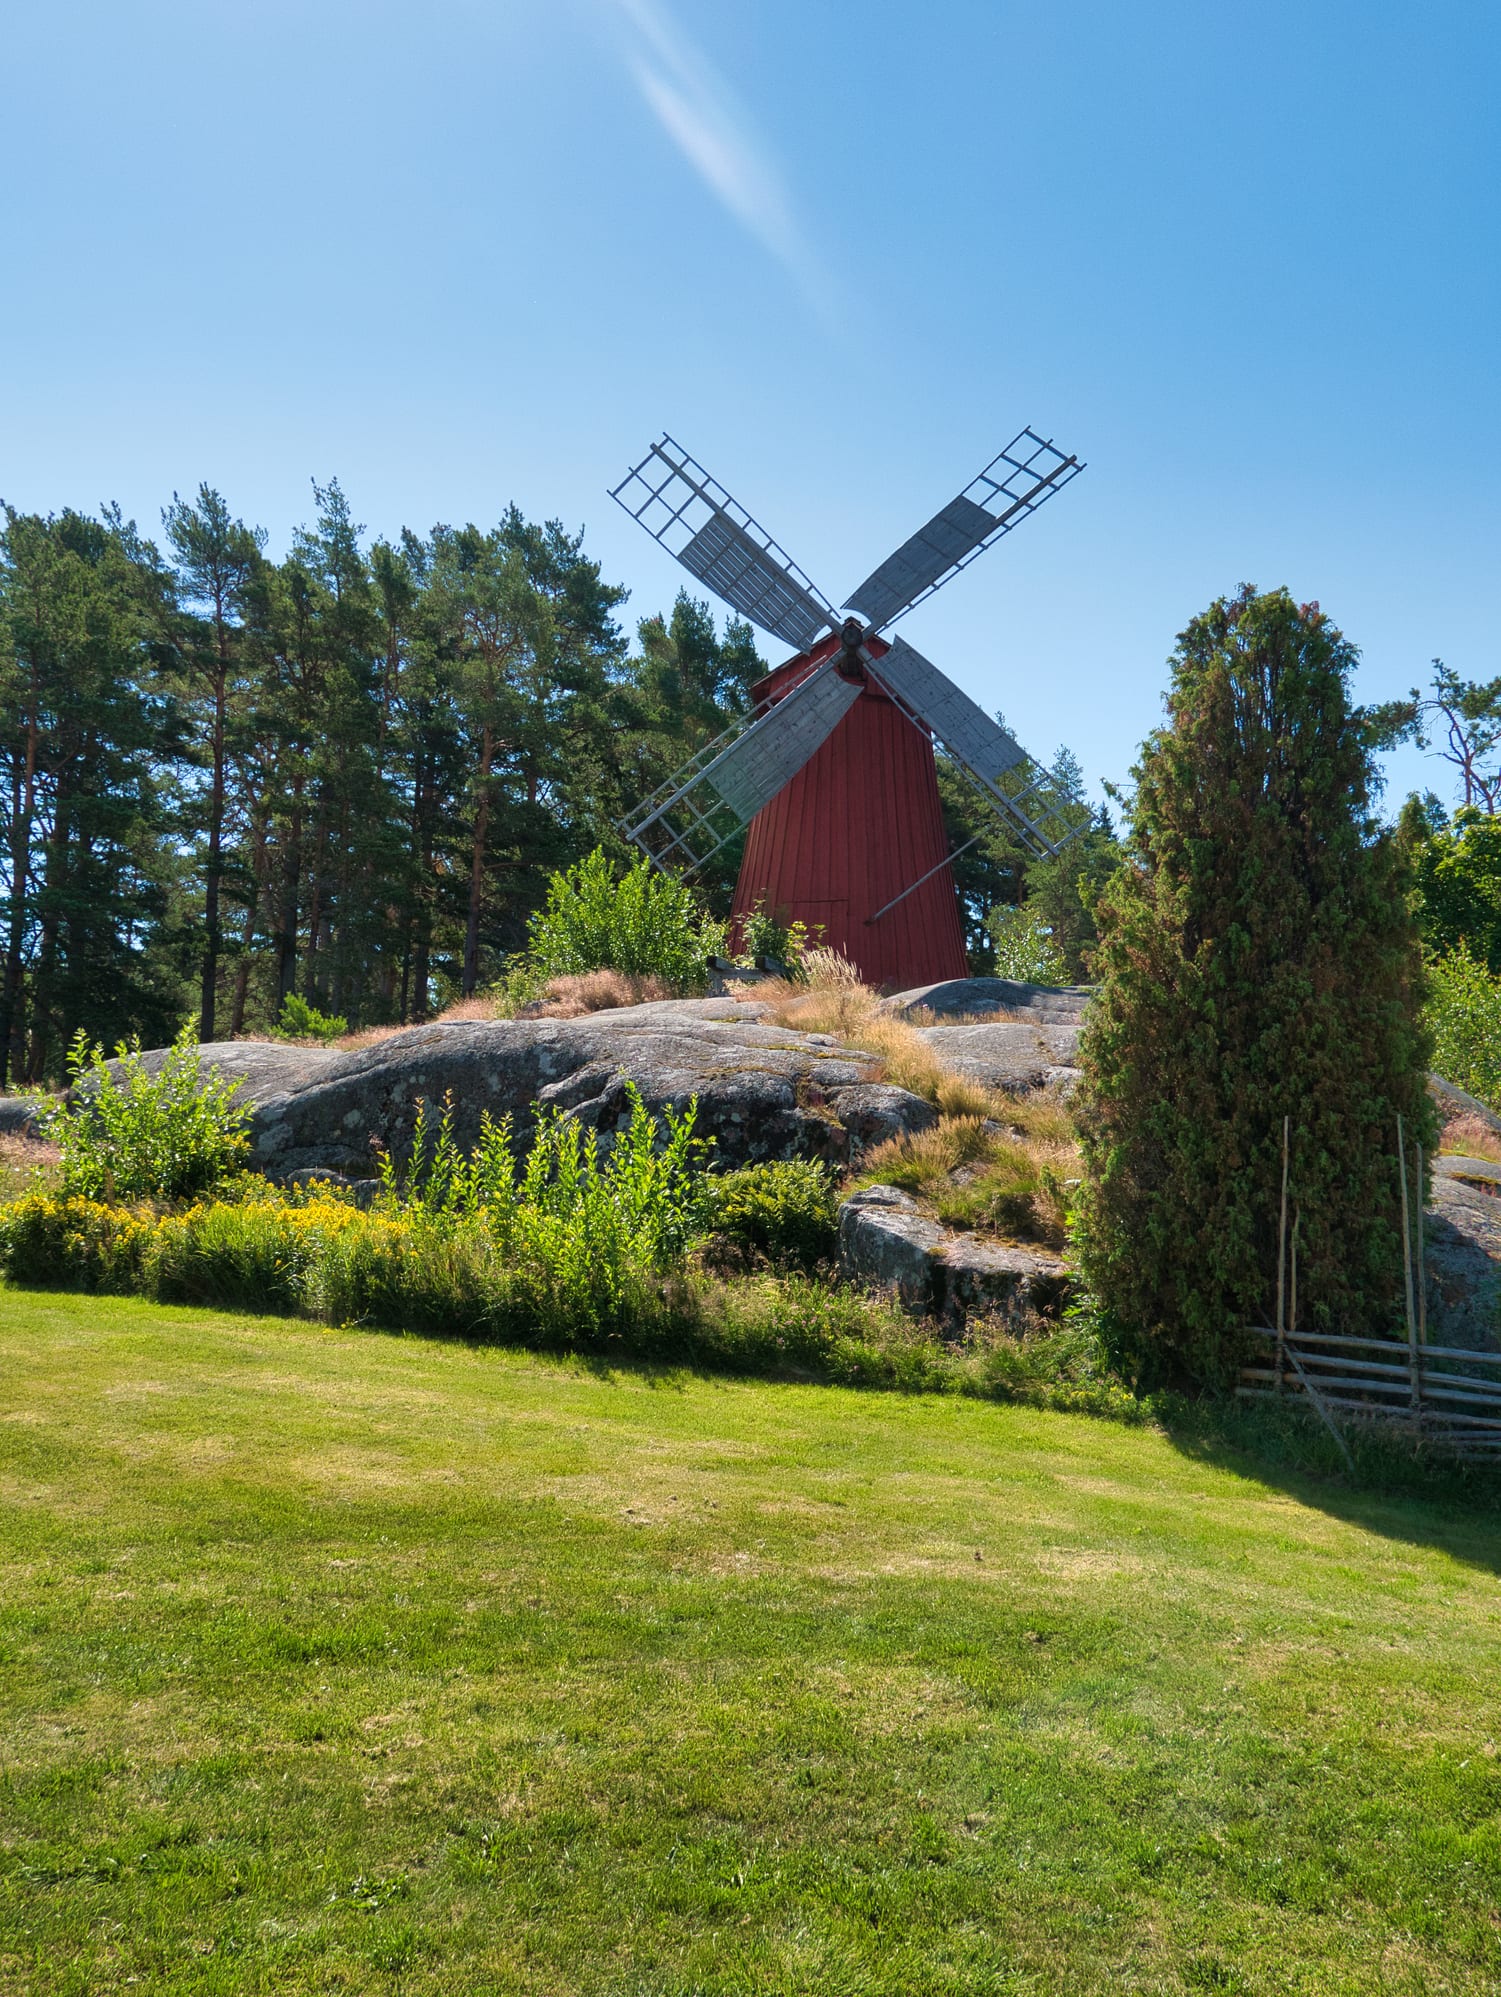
[
  {"x": 54, "y": 882},
  {"x": 209, "y": 988},
  {"x": 291, "y": 884},
  {"x": 257, "y": 886},
  {"x": 23, "y": 808},
  {"x": 477, "y": 866}
]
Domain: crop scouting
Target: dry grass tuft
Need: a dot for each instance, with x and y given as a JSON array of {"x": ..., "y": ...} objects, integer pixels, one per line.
[
  {"x": 833, "y": 1000},
  {"x": 469, "y": 1008},
  {"x": 21, "y": 1160},
  {"x": 364, "y": 1036},
  {"x": 1468, "y": 1136},
  {"x": 594, "y": 991},
  {"x": 927, "y": 1157},
  {"x": 993, "y": 1161},
  {"x": 975, "y": 1172}
]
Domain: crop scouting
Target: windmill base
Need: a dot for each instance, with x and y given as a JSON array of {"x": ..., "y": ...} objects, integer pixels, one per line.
[{"x": 855, "y": 828}]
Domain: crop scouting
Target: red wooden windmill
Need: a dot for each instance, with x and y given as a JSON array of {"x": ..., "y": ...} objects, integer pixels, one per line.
[{"x": 833, "y": 770}]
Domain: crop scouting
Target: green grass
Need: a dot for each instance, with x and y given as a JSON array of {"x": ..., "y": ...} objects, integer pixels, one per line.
[{"x": 340, "y": 1662}]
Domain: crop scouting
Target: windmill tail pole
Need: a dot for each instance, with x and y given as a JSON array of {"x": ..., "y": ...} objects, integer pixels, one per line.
[{"x": 947, "y": 861}]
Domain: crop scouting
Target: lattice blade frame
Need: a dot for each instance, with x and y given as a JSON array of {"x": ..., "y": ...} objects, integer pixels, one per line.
[
  {"x": 718, "y": 542},
  {"x": 703, "y": 805},
  {"x": 1012, "y": 486},
  {"x": 992, "y": 760}
]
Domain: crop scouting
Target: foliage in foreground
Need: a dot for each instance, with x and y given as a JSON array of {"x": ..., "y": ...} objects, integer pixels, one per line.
[
  {"x": 1258, "y": 960},
  {"x": 543, "y": 1284},
  {"x": 128, "y": 1133},
  {"x": 786, "y": 1211}
]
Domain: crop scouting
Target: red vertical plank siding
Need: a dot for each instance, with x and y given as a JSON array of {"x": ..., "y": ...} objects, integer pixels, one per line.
[{"x": 859, "y": 822}]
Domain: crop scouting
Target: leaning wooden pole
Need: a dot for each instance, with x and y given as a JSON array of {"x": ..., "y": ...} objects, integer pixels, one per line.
[
  {"x": 1412, "y": 1321},
  {"x": 1422, "y": 1272},
  {"x": 1282, "y": 1259}
]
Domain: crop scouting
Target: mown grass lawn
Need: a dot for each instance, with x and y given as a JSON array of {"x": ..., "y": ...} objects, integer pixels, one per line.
[{"x": 334, "y": 1661}]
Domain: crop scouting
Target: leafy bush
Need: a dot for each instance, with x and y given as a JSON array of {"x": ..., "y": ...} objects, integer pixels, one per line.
[
  {"x": 788, "y": 943},
  {"x": 787, "y": 1211},
  {"x": 569, "y": 1246},
  {"x": 1464, "y": 1012},
  {"x": 1024, "y": 946},
  {"x": 301, "y": 1021},
  {"x": 643, "y": 1201},
  {"x": 127, "y": 1134},
  {"x": 647, "y": 924},
  {"x": 320, "y": 1256}
]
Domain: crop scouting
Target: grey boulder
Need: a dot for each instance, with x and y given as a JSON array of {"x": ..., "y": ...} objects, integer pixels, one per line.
[
  {"x": 1462, "y": 1253},
  {"x": 887, "y": 1243},
  {"x": 1047, "y": 1005},
  {"x": 1008, "y": 1054},
  {"x": 762, "y": 1091},
  {"x": 18, "y": 1116}
]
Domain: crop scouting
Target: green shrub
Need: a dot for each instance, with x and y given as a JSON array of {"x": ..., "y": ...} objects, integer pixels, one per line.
[
  {"x": 646, "y": 923},
  {"x": 127, "y": 1134},
  {"x": 1464, "y": 1012},
  {"x": 788, "y": 943},
  {"x": 301, "y": 1021},
  {"x": 786, "y": 1211},
  {"x": 1024, "y": 946}
]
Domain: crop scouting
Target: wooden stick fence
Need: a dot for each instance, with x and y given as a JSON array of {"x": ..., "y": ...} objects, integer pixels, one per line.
[{"x": 1445, "y": 1393}]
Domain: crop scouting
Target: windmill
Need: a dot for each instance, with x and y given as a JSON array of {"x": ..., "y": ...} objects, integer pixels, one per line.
[{"x": 833, "y": 770}]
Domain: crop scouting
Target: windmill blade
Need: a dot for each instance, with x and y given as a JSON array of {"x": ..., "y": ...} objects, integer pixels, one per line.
[
  {"x": 981, "y": 747},
  {"x": 1028, "y": 472},
  {"x": 703, "y": 806},
  {"x": 717, "y": 541}
]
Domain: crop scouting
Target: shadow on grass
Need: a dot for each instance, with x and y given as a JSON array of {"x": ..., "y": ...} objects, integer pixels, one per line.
[{"x": 1419, "y": 1493}]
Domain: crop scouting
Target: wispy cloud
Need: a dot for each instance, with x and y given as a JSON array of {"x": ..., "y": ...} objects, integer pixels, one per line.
[{"x": 699, "y": 111}]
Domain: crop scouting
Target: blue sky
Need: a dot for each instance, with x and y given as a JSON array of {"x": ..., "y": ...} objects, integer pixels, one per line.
[{"x": 1244, "y": 260}]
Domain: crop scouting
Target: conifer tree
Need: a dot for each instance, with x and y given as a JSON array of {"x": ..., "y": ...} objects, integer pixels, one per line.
[
  {"x": 1258, "y": 960},
  {"x": 217, "y": 556}
]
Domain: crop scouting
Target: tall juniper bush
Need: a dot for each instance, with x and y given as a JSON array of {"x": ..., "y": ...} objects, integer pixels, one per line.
[{"x": 1258, "y": 960}]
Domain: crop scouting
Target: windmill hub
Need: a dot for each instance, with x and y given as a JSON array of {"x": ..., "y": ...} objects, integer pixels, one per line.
[
  {"x": 850, "y": 663},
  {"x": 838, "y": 794}
]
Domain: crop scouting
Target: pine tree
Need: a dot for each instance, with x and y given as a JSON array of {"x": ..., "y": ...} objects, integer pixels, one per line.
[
  {"x": 1258, "y": 960},
  {"x": 217, "y": 557}
]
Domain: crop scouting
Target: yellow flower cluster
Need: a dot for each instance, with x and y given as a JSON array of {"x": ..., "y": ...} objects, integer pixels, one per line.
[{"x": 224, "y": 1244}]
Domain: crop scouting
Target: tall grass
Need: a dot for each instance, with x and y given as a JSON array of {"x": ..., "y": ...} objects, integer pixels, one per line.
[
  {"x": 977, "y": 1173},
  {"x": 835, "y": 1000}
]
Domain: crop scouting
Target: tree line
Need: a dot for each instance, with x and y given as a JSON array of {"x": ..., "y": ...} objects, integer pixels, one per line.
[{"x": 347, "y": 774}]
